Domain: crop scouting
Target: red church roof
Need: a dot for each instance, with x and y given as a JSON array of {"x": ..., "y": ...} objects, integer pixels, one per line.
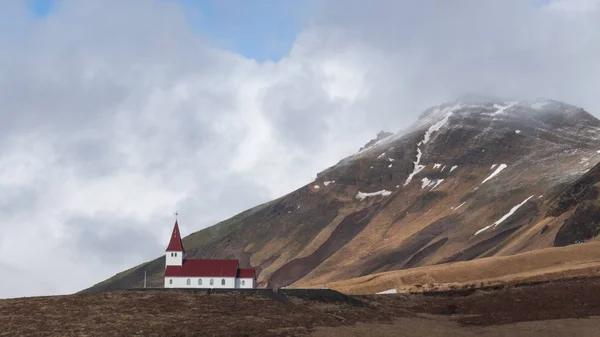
[
  {"x": 204, "y": 268},
  {"x": 175, "y": 244},
  {"x": 245, "y": 273}
]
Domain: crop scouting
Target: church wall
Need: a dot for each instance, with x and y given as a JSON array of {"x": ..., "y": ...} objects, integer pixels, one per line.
[
  {"x": 181, "y": 282},
  {"x": 247, "y": 283}
]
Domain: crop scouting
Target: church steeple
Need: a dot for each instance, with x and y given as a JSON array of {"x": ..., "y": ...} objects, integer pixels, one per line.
[
  {"x": 175, "y": 245},
  {"x": 175, "y": 251}
]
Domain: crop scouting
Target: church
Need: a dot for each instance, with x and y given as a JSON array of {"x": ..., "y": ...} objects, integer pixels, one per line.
[{"x": 182, "y": 272}]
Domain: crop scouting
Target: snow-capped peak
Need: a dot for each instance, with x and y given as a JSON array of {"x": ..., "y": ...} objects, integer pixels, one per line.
[{"x": 535, "y": 113}]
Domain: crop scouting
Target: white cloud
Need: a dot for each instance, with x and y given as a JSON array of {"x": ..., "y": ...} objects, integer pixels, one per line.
[
  {"x": 115, "y": 114},
  {"x": 583, "y": 6}
]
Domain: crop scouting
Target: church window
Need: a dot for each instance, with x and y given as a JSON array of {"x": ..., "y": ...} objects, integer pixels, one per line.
[
  {"x": 243, "y": 282},
  {"x": 199, "y": 281},
  {"x": 175, "y": 254},
  {"x": 188, "y": 282},
  {"x": 212, "y": 282},
  {"x": 171, "y": 281},
  {"x": 223, "y": 282}
]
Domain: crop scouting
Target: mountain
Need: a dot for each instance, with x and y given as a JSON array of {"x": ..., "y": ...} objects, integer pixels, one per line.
[
  {"x": 474, "y": 178},
  {"x": 380, "y": 136}
]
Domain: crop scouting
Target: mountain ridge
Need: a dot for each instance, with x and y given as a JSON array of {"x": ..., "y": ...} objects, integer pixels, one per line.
[{"x": 412, "y": 199}]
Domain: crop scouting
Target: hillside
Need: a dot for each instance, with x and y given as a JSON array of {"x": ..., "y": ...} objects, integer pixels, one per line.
[
  {"x": 471, "y": 179},
  {"x": 550, "y": 309},
  {"x": 548, "y": 264}
]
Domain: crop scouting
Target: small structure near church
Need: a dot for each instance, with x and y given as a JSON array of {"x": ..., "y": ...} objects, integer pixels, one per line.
[{"x": 182, "y": 272}]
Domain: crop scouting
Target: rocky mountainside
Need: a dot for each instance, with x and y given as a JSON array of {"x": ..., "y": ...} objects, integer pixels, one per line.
[{"x": 472, "y": 178}]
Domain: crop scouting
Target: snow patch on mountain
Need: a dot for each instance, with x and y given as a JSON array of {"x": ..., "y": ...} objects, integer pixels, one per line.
[
  {"x": 437, "y": 183},
  {"x": 433, "y": 128},
  {"x": 539, "y": 105},
  {"x": 459, "y": 206},
  {"x": 362, "y": 195},
  {"x": 506, "y": 216},
  {"x": 426, "y": 182},
  {"x": 434, "y": 118},
  {"x": 495, "y": 173},
  {"x": 502, "y": 109},
  {"x": 483, "y": 229},
  {"x": 417, "y": 167},
  {"x": 437, "y": 126},
  {"x": 453, "y": 168}
]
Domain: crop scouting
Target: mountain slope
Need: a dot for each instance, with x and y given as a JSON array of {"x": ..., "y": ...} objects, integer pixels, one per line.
[
  {"x": 542, "y": 265},
  {"x": 470, "y": 179}
]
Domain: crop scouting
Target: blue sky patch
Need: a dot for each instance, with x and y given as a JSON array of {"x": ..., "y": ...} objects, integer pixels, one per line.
[
  {"x": 258, "y": 29},
  {"x": 41, "y": 8}
]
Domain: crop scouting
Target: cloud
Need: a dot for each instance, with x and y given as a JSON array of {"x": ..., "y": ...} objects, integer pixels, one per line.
[
  {"x": 116, "y": 114},
  {"x": 512, "y": 48},
  {"x": 108, "y": 240},
  {"x": 19, "y": 282}
]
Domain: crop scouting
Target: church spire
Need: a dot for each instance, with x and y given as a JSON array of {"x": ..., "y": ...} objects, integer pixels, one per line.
[{"x": 175, "y": 245}]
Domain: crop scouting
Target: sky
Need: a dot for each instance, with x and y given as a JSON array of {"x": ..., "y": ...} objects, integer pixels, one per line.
[{"x": 116, "y": 114}]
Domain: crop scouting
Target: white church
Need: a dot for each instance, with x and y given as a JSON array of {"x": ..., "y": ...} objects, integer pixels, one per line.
[{"x": 182, "y": 272}]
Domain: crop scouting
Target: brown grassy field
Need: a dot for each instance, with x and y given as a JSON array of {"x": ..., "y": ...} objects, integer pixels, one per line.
[
  {"x": 561, "y": 308},
  {"x": 539, "y": 265}
]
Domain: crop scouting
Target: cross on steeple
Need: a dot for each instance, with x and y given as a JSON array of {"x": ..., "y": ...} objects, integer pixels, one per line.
[{"x": 176, "y": 214}]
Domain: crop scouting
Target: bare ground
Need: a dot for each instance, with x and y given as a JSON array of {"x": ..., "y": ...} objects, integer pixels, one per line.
[{"x": 560, "y": 308}]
